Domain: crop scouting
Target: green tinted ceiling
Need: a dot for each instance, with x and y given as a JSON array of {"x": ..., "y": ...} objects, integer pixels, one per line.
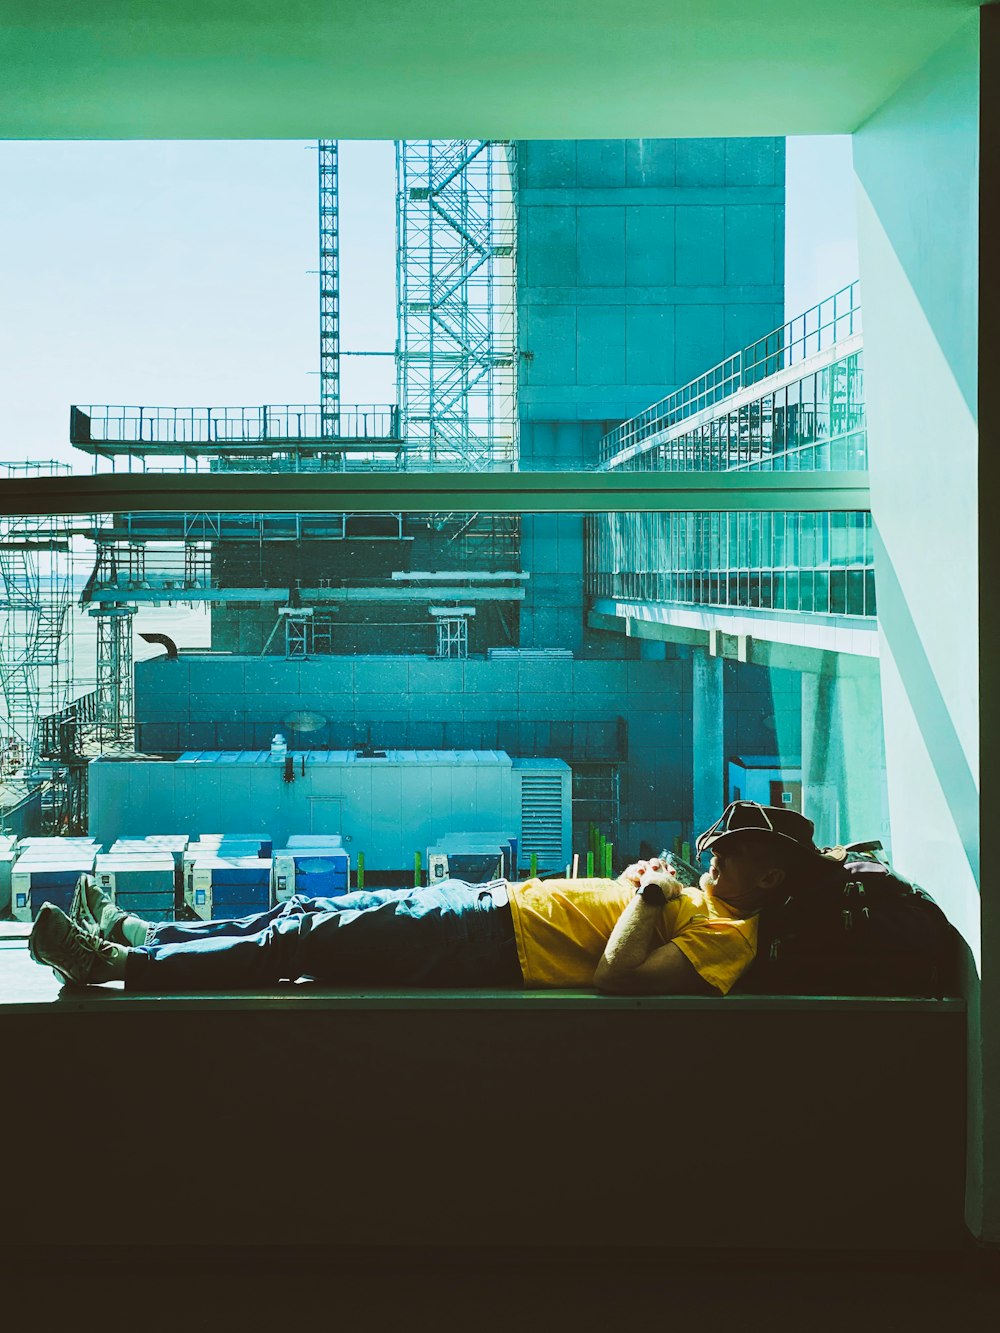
[{"x": 456, "y": 68}]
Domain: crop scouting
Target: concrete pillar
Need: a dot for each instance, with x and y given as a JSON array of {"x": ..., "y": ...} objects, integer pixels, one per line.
[
  {"x": 843, "y": 755},
  {"x": 822, "y": 763},
  {"x": 708, "y": 745},
  {"x": 861, "y": 802}
]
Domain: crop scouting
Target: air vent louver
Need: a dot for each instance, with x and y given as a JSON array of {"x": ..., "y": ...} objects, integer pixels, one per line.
[{"x": 542, "y": 815}]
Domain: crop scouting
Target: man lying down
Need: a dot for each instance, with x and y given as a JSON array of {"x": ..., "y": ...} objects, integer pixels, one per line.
[{"x": 642, "y": 933}]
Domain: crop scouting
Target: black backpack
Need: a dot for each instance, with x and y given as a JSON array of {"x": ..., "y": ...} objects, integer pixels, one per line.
[{"x": 857, "y": 929}]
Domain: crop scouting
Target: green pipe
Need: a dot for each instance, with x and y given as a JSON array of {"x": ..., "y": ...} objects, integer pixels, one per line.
[
  {"x": 416, "y": 870},
  {"x": 533, "y": 867},
  {"x": 590, "y": 865},
  {"x": 361, "y": 870}
]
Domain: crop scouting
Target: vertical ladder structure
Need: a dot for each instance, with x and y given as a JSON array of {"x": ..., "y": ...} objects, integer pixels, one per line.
[
  {"x": 36, "y": 594},
  {"x": 114, "y": 716},
  {"x": 329, "y": 287},
  {"x": 456, "y": 341}
]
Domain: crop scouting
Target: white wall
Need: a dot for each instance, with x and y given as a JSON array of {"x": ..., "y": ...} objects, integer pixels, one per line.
[
  {"x": 916, "y": 162},
  {"x": 917, "y": 168}
]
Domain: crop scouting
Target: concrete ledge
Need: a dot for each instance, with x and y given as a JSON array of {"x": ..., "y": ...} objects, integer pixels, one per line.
[
  {"x": 306, "y": 998},
  {"x": 26, "y": 988},
  {"x": 408, "y": 1119}
]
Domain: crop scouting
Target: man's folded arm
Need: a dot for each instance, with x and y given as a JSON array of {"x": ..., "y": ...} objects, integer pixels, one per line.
[
  {"x": 634, "y": 963},
  {"x": 665, "y": 971}
]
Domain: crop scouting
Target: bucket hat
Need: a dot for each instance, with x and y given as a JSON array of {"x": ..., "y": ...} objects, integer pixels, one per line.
[{"x": 768, "y": 821}]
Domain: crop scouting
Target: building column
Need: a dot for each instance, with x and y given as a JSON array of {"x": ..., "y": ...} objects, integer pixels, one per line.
[
  {"x": 861, "y": 787},
  {"x": 708, "y": 745},
  {"x": 822, "y": 751},
  {"x": 843, "y": 755}
]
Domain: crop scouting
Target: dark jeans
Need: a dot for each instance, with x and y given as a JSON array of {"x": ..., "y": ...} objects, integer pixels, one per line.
[{"x": 449, "y": 934}]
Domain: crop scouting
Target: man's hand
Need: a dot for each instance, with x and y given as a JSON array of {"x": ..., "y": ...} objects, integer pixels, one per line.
[
  {"x": 634, "y": 963},
  {"x": 652, "y": 872}
]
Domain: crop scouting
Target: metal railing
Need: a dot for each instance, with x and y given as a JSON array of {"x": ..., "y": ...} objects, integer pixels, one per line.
[
  {"x": 194, "y": 427},
  {"x": 61, "y": 732},
  {"x": 822, "y": 326}
]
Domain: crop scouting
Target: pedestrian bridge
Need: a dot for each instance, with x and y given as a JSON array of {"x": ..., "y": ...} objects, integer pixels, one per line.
[{"x": 732, "y": 581}]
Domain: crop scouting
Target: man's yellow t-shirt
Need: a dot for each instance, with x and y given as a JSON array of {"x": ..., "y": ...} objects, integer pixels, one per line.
[{"x": 562, "y": 926}]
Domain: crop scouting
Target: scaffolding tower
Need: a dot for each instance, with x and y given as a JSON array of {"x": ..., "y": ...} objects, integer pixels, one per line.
[
  {"x": 329, "y": 288},
  {"x": 456, "y": 339},
  {"x": 118, "y": 567},
  {"x": 36, "y": 587}
]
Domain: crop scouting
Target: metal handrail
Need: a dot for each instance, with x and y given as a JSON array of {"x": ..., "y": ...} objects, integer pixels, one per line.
[
  {"x": 821, "y": 326},
  {"x": 190, "y": 427}
]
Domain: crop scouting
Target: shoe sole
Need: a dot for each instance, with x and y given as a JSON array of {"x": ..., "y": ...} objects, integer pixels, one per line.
[{"x": 80, "y": 912}]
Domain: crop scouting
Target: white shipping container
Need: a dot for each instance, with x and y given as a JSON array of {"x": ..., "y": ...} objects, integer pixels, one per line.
[
  {"x": 7, "y": 858},
  {"x": 216, "y": 882},
  {"x": 36, "y": 876},
  {"x": 386, "y": 807}
]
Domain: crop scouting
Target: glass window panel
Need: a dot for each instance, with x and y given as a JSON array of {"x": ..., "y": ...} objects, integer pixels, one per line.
[
  {"x": 855, "y": 592},
  {"x": 538, "y": 677}
]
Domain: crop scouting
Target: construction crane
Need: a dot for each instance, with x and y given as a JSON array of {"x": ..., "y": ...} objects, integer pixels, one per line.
[{"x": 329, "y": 287}]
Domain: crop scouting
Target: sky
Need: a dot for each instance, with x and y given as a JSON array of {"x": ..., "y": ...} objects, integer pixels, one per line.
[{"x": 185, "y": 273}]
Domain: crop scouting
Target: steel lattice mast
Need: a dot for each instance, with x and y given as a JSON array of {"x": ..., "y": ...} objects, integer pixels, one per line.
[
  {"x": 116, "y": 564},
  {"x": 456, "y": 302},
  {"x": 329, "y": 287}
]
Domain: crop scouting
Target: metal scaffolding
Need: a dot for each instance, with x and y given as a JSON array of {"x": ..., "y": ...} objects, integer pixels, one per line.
[
  {"x": 118, "y": 566},
  {"x": 456, "y": 341},
  {"x": 456, "y": 376},
  {"x": 36, "y": 587},
  {"x": 329, "y": 288}
]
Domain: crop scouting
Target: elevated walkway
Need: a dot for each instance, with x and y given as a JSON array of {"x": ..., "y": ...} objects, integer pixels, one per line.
[
  {"x": 783, "y": 640},
  {"x": 283, "y": 437},
  {"x": 792, "y": 402},
  {"x": 682, "y": 431}
]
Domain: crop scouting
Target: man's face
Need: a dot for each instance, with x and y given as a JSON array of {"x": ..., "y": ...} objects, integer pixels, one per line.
[{"x": 739, "y": 873}]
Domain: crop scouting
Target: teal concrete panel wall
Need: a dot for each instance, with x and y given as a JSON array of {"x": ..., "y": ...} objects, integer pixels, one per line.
[
  {"x": 580, "y": 710},
  {"x": 641, "y": 263},
  {"x": 600, "y": 241},
  {"x": 650, "y": 245},
  {"x": 701, "y": 250}
]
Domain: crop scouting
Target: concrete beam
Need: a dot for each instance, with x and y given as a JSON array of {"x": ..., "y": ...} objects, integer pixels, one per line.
[
  {"x": 738, "y": 647},
  {"x": 266, "y": 596},
  {"x": 434, "y": 492}
]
